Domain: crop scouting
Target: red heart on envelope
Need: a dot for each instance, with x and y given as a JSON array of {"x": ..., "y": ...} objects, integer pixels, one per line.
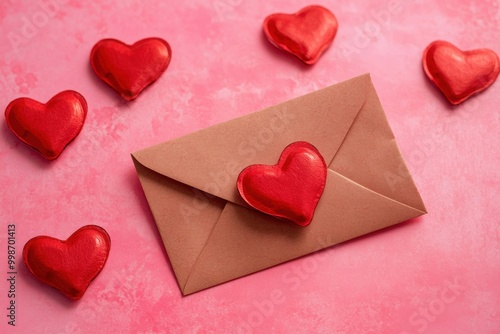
[
  {"x": 129, "y": 69},
  {"x": 305, "y": 34},
  {"x": 460, "y": 74},
  {"x": 69, "y": 265},
  {"x": 291, "y": 189},
  {"x": 49, "y": 127}
]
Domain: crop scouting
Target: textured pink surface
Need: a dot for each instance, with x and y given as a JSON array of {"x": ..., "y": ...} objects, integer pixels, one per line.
[{"x": 436, "y": 274}]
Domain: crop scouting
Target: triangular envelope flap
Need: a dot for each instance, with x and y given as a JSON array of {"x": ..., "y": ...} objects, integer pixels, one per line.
[
  {"x": 245, "y": 241},
  {"x": 211, "y": 159},
  {"x": 185, "y": 219},
  {"x": 370, "y": 156}
]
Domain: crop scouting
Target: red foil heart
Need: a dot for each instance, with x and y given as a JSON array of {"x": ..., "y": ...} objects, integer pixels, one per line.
[
  {"x": 48, "y": 127},
  {"x": 291, "y": 189},
  {"x": 460, "y": 74},
  {"x": 305, "y": 34},
  {"x": 129, "y": 69},
  {"x": 70, "y": 265}
]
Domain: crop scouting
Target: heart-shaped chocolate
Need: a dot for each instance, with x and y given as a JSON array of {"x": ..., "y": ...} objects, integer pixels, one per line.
[
  {"x": 129, "y": 69},
  {"x": 291, "y": 189},
  {"x": 48, "y": 127},
  {"x": 305, "y": 34},
  {"x": 70, "y": 265},
  {"x": 460, "y": 74}
]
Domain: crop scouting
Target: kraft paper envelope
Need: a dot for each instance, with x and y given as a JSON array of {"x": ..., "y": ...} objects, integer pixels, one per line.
[{"x": 212, "y": 236}]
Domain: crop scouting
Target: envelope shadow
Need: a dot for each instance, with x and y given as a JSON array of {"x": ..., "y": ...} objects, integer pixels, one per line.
[{"x": 282, "y": 55}]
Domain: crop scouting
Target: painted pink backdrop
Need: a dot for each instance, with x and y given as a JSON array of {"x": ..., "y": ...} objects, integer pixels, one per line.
[{"x": 437, "y": 274}]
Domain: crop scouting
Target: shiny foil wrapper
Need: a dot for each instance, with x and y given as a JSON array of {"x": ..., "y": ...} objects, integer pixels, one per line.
[
  {"x": 305, "y": 34},
  {"x": 49, "y": 127},
  {"x": 70, "y": 265},
  {"x": 129, "y": 69},
  {"x": 460, "y": 74},
  {"x": 291, "y": 189}
]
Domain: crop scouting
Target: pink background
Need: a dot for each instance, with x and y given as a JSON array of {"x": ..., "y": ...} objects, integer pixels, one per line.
[{"x": 436, "y": 274}]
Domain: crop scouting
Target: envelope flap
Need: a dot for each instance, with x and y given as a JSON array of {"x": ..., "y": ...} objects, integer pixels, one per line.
[
  {"x": 245, "y": 241},
  {"x": 370, "y": 156},
  {"x": 211, "y": 159}
]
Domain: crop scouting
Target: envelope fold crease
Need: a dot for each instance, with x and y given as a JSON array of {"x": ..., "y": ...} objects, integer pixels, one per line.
[{"x": 183, "y": 288}]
